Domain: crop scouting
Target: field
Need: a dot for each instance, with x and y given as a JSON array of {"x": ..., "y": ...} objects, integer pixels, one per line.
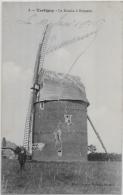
[{"x": 61, "y": 177}]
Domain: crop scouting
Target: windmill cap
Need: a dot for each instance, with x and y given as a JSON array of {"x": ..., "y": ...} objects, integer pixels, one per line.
[{"x": 59, "y": 86}]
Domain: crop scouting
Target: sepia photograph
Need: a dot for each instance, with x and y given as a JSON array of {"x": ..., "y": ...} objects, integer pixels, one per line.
[{"x": 61, "y": 118}]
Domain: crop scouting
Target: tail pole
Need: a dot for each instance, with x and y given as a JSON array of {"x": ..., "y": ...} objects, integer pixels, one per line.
[{"x": 97, "y": 134}]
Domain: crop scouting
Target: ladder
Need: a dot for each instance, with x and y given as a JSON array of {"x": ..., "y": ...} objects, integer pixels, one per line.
[
  {"x": 38, "y": 70},
  {"x": 28, "y": 128}
]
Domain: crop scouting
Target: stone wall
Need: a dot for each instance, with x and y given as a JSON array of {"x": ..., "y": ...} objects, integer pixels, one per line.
[{"x": 73, "y": 136}]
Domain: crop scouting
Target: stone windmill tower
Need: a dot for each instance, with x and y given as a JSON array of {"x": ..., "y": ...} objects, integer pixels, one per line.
[
  {"x": 60, "y": 122},
  {"x": 56, "y": 124}
]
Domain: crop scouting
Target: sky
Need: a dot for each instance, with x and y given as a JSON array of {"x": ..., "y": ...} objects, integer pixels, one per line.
[{"x": 89, "y": 40}]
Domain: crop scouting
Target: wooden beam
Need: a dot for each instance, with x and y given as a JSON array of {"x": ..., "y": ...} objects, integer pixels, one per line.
[{"x": 97, "y": 134}]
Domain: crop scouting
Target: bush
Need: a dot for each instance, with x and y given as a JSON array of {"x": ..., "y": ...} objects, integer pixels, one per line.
[
  {"x": 17, "y": 150},
  {"x": 104, "y": 157}
]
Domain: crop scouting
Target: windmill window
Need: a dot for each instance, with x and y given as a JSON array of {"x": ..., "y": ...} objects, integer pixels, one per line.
[
  {"x": 42, "y": 105},
  {"x": 68, "y": 119}
]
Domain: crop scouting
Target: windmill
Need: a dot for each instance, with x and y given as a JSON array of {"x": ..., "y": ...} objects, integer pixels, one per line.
[{"x": 38, "y": 70}]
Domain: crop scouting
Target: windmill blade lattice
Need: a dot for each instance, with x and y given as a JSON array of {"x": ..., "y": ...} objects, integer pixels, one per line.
[{"x": 38, "y": 67}]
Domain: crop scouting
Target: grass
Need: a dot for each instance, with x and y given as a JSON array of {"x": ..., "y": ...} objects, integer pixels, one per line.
[{"x": 61, "y": 177}]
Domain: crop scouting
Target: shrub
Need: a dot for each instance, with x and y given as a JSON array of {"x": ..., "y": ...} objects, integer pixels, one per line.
[{"x": 104, "y": 157}]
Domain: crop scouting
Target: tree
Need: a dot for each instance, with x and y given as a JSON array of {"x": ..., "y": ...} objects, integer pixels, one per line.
[
  {"x": 3, "y": 142},
  {"x": 92, "y": 148}
]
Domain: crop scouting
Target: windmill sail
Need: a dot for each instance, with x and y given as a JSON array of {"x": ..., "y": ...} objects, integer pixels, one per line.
[{"x": 35, "y": 88}]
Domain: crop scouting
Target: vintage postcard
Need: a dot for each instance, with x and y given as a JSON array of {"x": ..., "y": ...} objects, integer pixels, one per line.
[{"x": 62, "y": 97}]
